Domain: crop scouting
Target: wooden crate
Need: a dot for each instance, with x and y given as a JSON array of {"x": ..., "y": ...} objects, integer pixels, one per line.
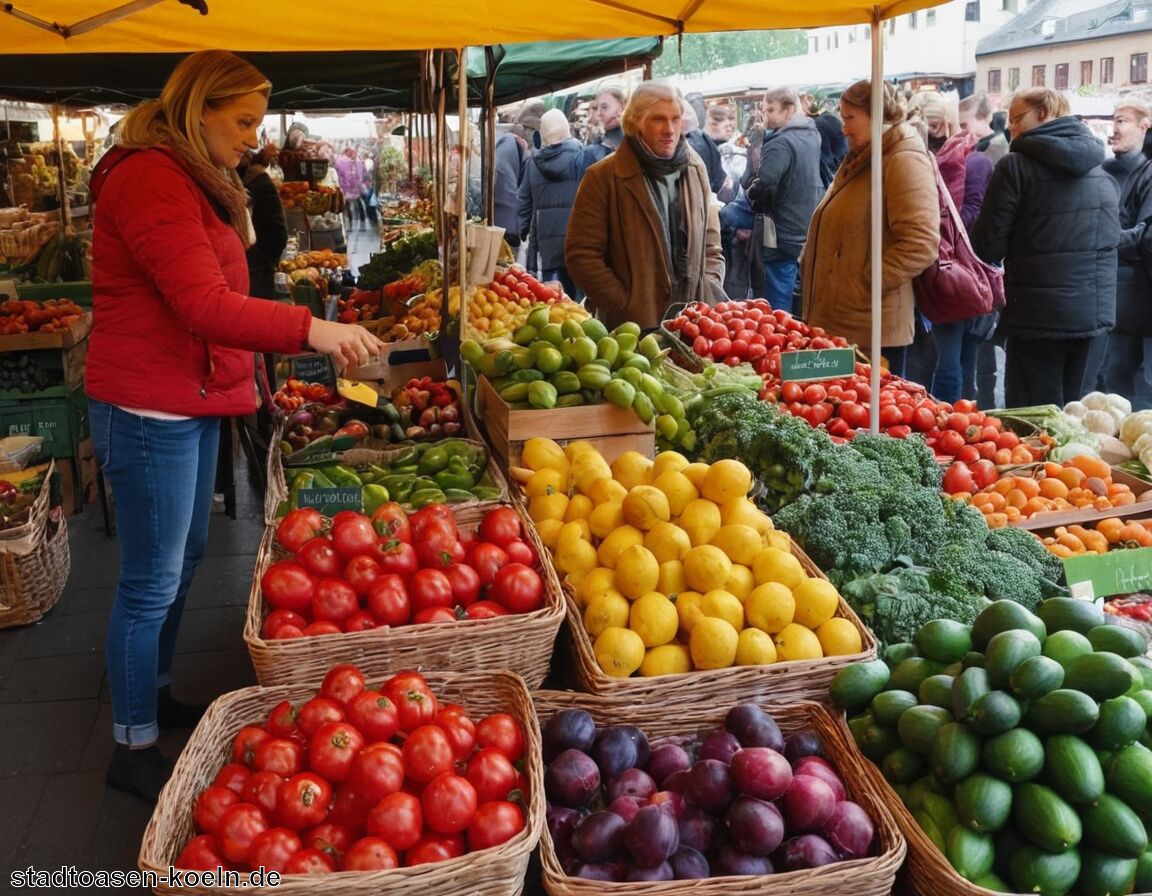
[
  {"x": 1050, "y": 520},
  {"x": 77, "y": 332},
  {"x": 611, "y": 430}
]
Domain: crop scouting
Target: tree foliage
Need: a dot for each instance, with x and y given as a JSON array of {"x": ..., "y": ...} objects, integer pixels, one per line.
[{"x": 694, "y": 53}]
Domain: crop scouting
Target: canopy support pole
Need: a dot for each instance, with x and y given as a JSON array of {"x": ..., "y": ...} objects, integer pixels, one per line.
[
  {"x": 462, "y": 182},
  {"x": 877, "y": 218}
]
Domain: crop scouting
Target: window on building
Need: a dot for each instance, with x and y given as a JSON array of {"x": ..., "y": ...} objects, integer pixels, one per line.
[
  {"x": 1038, "y": 75},
  {"x": 1138, "y": 68},
  {"x": 867, "y": 32},
  {"x": 1061, "y": 76},
  {"x": 851, "y": 35},
  {"x": 993, "y": 80},
  {"x": 1086, "y": 72},
  {"x": 827, "y": 41},
  {"x": 1013, "y": 80},
  {"x": 892, "y": 26},
  {"x": 912, "y": 21},
  {"x": 1106, "y": 70},
  {"x": 836, "y": 40},
  {"x": 930, "y": 19},
  {"x": 972, "y": 11}
]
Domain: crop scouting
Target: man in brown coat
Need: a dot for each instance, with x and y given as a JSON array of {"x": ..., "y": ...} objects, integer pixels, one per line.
[{"x": 644, "y": 233}]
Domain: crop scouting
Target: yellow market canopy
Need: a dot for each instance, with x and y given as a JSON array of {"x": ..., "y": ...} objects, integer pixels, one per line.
[{"x": 157, "y": 26}]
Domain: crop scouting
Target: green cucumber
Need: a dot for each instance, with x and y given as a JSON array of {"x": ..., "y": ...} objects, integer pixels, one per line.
[
  {"x": 876, "y": 741},
  {"x": 1117, "y": 639},
  {"x": 969, "y": 685},
  {"x": 854, "y": 687},
  {"x": 1007, "y": 650},
  {"x": 1072, "y": 769},
  {"x": 1102, "y": 874},
  {"x": 1101, "y": 675},
  {"x": 936, "y": 690},
  {"x": 1045, "y": 818},
  {"x": 895, "y": 654},
  {"x": 1128, "y": 775},
  {"x": 944, "y": 640},
  {"x": 1143, "y": 873},
  {"x": 910, "y": 672},
  {"x": 955, "y": 752},
  {"x": 1122, "y": 720},
  {"x": 1064, "y": 646},
  {"x": 1035, "y": 677},
  {"x": 1069, "y": 613},
  {"x": 969, "y": 852},
  {"x": 902, "y": 766},
  {"x": 1063, "y": 711},
  {"x": 983, "y": 802},
  {"x": 994, "y": 712},
  {"x": 1015, "y": 756},
  {"x": 919, "y": 726},
  {"x": 942, "y": 811},
  {"x": 1034, "y": 870},
  {"x": 931, "y": 829},
  {"x": 1112, "y": 827},
  {"x": 1001, "y": 616},
  {"x": 888, "y": 706}
]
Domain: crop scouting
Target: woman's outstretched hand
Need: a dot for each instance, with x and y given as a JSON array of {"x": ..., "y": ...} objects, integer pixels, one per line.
[{"x": 348, "y": 344}]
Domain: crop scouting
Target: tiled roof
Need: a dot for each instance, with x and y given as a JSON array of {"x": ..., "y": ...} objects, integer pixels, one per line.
[{"x": 1070, "y": 21}]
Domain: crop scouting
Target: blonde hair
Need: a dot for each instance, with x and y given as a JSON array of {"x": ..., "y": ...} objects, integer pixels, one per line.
[
  {"x": 647, "y": 95},
  {"x": 782, "y": 96},
  {"x": 859, "y": 96},
  {"x": 1137, "y": 109},
  {"x": 1051, "y": 101}
]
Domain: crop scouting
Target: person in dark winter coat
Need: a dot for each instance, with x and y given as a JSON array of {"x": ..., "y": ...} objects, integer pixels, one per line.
[
  {"x": 833, "y": 145},
  {"x": 551, "y": 178},
  {"x": 705, "y": 147},
  {"x": 267, "y": 222},
  {"x": 1128, "y": 361},
  {"x": 1051, "y": 215},
  {"x": 510, "y": 155},
  {"x": 786, "y": 190}
]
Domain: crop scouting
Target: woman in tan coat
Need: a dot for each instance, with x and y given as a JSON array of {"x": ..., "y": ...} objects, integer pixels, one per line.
[{"x": 836, "y": 272}]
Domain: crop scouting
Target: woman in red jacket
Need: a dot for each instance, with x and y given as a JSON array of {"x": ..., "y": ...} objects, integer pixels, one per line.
[{"x": 172, "y": 351}]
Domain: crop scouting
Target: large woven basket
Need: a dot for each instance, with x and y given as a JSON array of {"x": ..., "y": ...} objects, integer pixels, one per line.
[
  {"x": 873, "y": 876},
  {"x": 34, "y": 563},
  {"x": 498, "y": 871},
  {"x": 796, "y": 680},
  {"x": 521, "y": 643}
]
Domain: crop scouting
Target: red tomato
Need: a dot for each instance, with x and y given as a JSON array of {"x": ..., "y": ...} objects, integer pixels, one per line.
[
  {"x": 1007, "y": 439},
  {"x": 950, "y": 442},
  {"x": 328, "y": 837},
  {"x": 838, "y": 427},
  {"x": 319, "y": 557},
  {"x": 388, "y": 601},
  {"x": 487, "y": 559},
  {"x": 397, "y": 819},
  {"x": 958, "y": 478},
  {"x": 430, "y": 588},
  {"x": 988, "y": 451},
  {"x": 491, "y": 773},
  {"x": 486, "y": 609},
  {"x": 432, "y": 615},
  {"x": 374, "y": 715},
  {"x": 247, "y": 741},
  {"x": 502, "y": 732},
  {"x": 210, "y": 805},
  {"x": 522, "y": 552},
  {"x": 237, "y": 828},
  {"x": 391, "y": 522},
  {"x": 398, "y": 558},
  {"x": 984, "y": 473},
  {"x": 298, "y": 526},
  {"x": 721, "y": 348},
  {"x": 263, "y": 789},
  {"x": 233, "y": 775},
  {"x": 427, "y": 753},
  {"x": 854, "y": 414},
  {"x": 923, "y": 419},
  {"x": 500, "y": 526},
  {"x": 302, "y": 801},
  {"x": 334, "y": 600},
  {"x": 277, "y": 619},
  {"x": 964, "y": 406},
  {"x": 438, "y": 545},
  {"x": 342, "y": 682},
  {"x": 288, "y": 586},
  {"x": 968, "y": 453},
  {"x": 349, "y": 809},
  {"x": 448, "y": 802},
  {"x": 271, "y": 849},
  {"x": 361, "y": 572},
  {"x": 815, "y": 393},
  {"x": 465, "y": 584},
  {"x": 428, "y": 514},
  {"x": 890, "y": 416},
  {"x": 360, "y": 621},
  {"x": 460, "y": 730},
  {"x": 369, "y": 854},
  {"x": 354, "y": 535},
  {"x": 899, "y": 431},
  {"x": 377, "y": 771},
  {"x": 702, "y": 346},
  {"x": 332, "y": 749},
  {"x": 518, "y": 587},
  {"x": 818, "y": 414},
  {"x": 319, "y": 627},
  {"x": 957, "y": 422},
  {"x": 316, "y": 712},
  {"x": 494, "y": 823},
  {"x": 202, "y": 854},
  {"x": 280, "y": 755},
  {"x": 310, "y": 861}
]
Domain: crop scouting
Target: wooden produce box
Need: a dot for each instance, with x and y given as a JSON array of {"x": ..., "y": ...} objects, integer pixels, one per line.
[
  {"x": 1143, "y": 506},
  {"x": 65, "y": 364},
  {"x": 58, "y": 339},
  {"x": 79, "y": 291},
  {"x": 609, "y": 429}
]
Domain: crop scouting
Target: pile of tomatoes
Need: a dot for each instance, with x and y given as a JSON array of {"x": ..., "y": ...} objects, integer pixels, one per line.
[
  {"x": 516, "y": 283},
  {"x": 361, "y": 779},
  {"x": 394, "y": 569},
  {"x": 295, "y": 393}
]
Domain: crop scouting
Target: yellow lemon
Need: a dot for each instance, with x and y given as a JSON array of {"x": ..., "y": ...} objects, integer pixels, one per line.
[
  {"x": 579, "y": 508},
  {"x": 548, "y": 507},
  {"x": 606, "y": 517},
  {"x": 539, "y": 453},
  {"x": 609, "y": 610},
  {"x": 668, "y": 460},
  {"x": 631, "y": 469},
  {"x": 672, "y": 579},
  {"x": 575, "y": 557},
  {"x": 577, "y": 530},
  {"x": 606, "y": 490},
  {"x": 770, "y": 607},
  {"x": 744, "y": 512},
  {"x": 741, "y": 582},
  {"x": 688, "y": 609},
  {"x": 755, "y": 648},
  {"x": 678, "y": 489},
  {"x": 549, "y": 532},
  {"x": 775, "y": 565},
  {"x": 637, "y": 572},
  {"x": 645, "y": 506},
  {"x": 696, "y": 473},
  {"x": 701, "y": 520},
  {"x": 816, "y": 602},
  {"x": 616, "y": 541},
  {"x": 581, "y": 446},
  {"x": 723, "y": 605},
  {"x": 795, "y": 642},
  {"x": 667, "y": 541},
  {"x": 706, "y": 567},
  {"x": 713, "y": 643},
  {"x": 653, "y": 617},
  {"x": 547, "y": 481},
  {"x": 726, "y": 479},
  {"x": 778, "y": 539},
  {"x": 586, "y": 467},
  {"x": 595, "y": 582},
  {"x": 619, "y": 651},
  {"x": 741, "y": 543},
  {"x": 667, "y": 659},
  {"x": 839, "y": 637}
]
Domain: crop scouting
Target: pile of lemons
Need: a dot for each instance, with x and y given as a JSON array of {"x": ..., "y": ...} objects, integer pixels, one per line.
[{"x": 673, "y": 566}]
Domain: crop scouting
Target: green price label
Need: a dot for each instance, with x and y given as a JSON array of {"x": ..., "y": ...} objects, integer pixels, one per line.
[
  {"x": 808, "y": 365},
  {"x": 330, "y": 501},
  {"x": 313, "y": 369},
  {"x": 1093, "y": 576}
]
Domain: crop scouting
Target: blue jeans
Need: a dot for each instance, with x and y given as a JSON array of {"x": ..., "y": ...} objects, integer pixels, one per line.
[
  {"x": 956, "y": 349},
  {"x": 162, "y": 473},
  {"x": 1127, "y": 368},
  {"x": 779, "y": 279}
]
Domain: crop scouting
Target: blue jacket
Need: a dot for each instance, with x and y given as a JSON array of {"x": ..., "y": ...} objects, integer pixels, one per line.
[
  {"x": 787, "y": 186},
  {"x": 551, "y": 178}
]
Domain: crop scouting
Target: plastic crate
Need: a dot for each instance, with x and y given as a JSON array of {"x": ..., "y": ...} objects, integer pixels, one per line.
[
  {"x": 62, "y": 422},
  {"x": 79, "y": 291}
]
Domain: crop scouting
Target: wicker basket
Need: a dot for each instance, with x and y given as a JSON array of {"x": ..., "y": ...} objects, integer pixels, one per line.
[
  {"x": 34, "y": 563},
  {"x": 521, "y": 643},
  {"x": 797, "y": 680},
  {"x": 873, "y": 876},
  {"x": 498, "y": 871}
]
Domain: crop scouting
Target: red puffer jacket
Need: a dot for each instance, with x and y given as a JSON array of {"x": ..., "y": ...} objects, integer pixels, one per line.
[{"x": 173, "y": 328}]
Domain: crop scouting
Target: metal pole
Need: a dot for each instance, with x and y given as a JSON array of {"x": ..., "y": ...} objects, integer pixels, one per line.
[
  {"x": 462, "y": 181},
  {"x": 877, "y": 218}
]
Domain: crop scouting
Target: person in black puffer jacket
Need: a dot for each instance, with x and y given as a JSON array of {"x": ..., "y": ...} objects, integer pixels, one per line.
[
  {"x": 551, "y": 178},
  {"x": 1051, "y": 214}
]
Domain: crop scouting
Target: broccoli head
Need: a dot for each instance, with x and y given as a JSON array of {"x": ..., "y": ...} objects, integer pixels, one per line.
[
  {"x": 1027, "y": 547},
  {"x": 901, "y": 461}
]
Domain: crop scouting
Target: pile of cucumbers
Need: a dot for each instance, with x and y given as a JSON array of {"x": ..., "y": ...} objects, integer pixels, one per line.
[
  {"x": 546, "y": 365},
  {"x": 1020, "y": 744}
]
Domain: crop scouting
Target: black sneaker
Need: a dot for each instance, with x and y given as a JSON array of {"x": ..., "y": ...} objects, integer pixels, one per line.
[
  {"x": 171, "y": 713},
  {"x": 142, "y": 773}
]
